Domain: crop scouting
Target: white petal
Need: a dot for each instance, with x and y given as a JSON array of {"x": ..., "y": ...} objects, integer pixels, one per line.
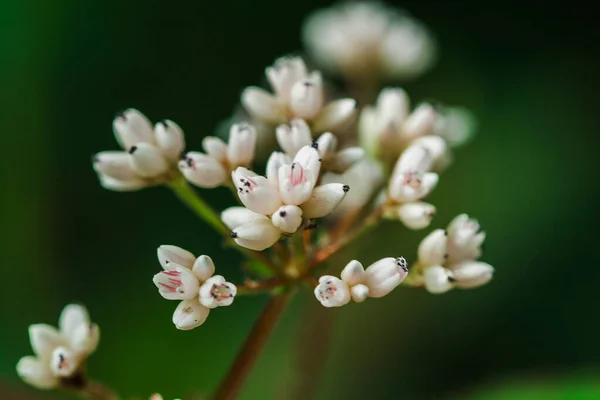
[
  {"x": 332, "y": 292},
  {"x": 287, "y": 218},
  {"x": 242, "y": 141},
  {"x": 85, "y": 338},
  {"x": 309, "y": 158},
  {"x": 36, "y": 373},
  {"x": 204, "y": 267},
  {"x": 295, "y": 184},
  {"x": 275, "y": 161},
  {"x": 215, "y": 148},
  {"x": 64, "y": 362},
  {"x": 324, "y": 199},
  {"x": 335, "y": 115},
  {"x": 416, "y": 215},
  {"x": 147, "y": 160},
  {"x": 326, "y": 144},
  {"x": 256, "y": 192},
  {"x": 392, "y": 106},
  {"x": 202, "y": 170},
  {"x": 170, "y": 139},
  {"x": 117, "y": 185},
  {"x": 256, "y": 235},
  {"x": 437, "y": 279},
  {"x": 263, "y": 105},
  {"x": 412, "y": 186},
  {"x": 237, "y": 216},
  {"x": 353, "y": 273},
  {"x": 177, "y": 284},
  {"x": 432, "y": 249},
  {"x": 471, "y": 274},
  {"x": 420, "y": 122},
  {"x": 190, "y": 314},
  {"x": 216, "y": 292},
  {"x": 285, "y": 72},
  {"x": 437, "y": 148},
  {"x": 348, "y": 157},
  {"x": 291, "y": 138},
  {"x": 115, "y": 164},
  {"x": 71, "y": 317},
  {"x": 385, "y": 275},
  {"x": 307, "y": 96},
  {"x": 132, "y": 127},
  {"x": 414, "y": 158},
  {"x": 359, "y": 293},
  {"x": 168, "y": 254},
  {"x": 44, "y": 339}
]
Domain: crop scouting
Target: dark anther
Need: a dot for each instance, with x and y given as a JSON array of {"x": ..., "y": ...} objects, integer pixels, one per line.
[
  {"x": 445, "y": 232},
  {"x": 132, "y": 149},
  {"x": 346, "y": 188},
  {"x": 164, "y": 122},
  {"x": 282, "y": 213},
  {"x": 308, "y": 83},
  {"x": 120, "y": 114},
  {"x": 312, "y": 225},
  {"x": 315, "y": 145},
  {"x": 233, "y": 234},
  {"x": 445, "y": 255},
  {"x": 451, "y": 279},
  {"x": 320, "y": 160}
]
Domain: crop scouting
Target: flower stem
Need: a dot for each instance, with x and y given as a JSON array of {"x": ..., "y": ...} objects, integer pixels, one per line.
[
  {"x": 250, "y": 351},
  {"x": 190, "y": 198},
  {"x": 98, "y": 391}
]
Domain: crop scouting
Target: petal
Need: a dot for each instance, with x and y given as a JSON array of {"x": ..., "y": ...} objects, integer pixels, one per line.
[
  {"x": 117, "y": 185},
  {"x": 275, "y": 161},
  {"x": 420, "y": 122},
  {"x": 147, "y": 160},
  {"x": 295, "y": 184},
  {"x": 353, "y": 273},
  {"x": 309, "y": 158},
  {"x": 385, "y": 275},
  {"x": 432, "y": 249},
  {"x": 115, "y": 164},
  {"x": 287, "y": 218},
  {"x": 177, "y": 284},
  {"x": 291, "y": 138},
  {"x": 44, "y": 339},
  {"x": 307, "y": 96},
  {"x": 216, "y": 292},
  {"x": 256, "y": 192},
  {"x": 417, "y": 215},
  {"x": 284, "y": 73},
  {"x": 437, "y": 148},
  {"x": 242, "y": 141},
  {"x": 204, "y": 267},
  {"x": 324, "y": 199},
  {"x": 170, "y": 139},
  {"x": 414, "y": 158},
  {"x": 64, "y": 362},
  {"x": 335, "y": 115},
  {"x": 190, "y": 314},
  {"x": 359, "y": 293},
  {"x": 393, "y": 105},
  {"x": 172, "y": 254},
  {"x": 346, "y": 158},
  {"x": 326, "y": 144},
  {"x": 256, "y": 235},
  {"x": 85, "y": 338},
  {"x": 237, "y": 216},
  {"x": 202, "y": 170},
  {"x": 215, "y": 148},
  {"x": 471, "y": 274},
  {"x": 36, "y": 373},
  {"x": 71, "y": 317},
  {"x": 437, "y": 279},
  {"x": 132, "y": 127},
  {"x": 263, "y": 105},
  {"x": 332, "y": 292}
]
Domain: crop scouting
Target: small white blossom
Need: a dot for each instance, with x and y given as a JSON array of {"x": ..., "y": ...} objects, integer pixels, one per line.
[
  {"x": 385, "y": 275},
  {"x": 448, "y": 258},
  {"x": 299, "y": 94},
  {"x": 332, "y": 292},
  {"x": 190, "y": 279},
  {"x": 150, "y": 153},
  {"x": 367, "y": 40},
  {"x": 59, "y": 353},
  {"x": 415, "y": 215},
  {"x": 256, "y": 235},
  {"x": 287, "y": 218},
  {"x": 213, "y": 168}
]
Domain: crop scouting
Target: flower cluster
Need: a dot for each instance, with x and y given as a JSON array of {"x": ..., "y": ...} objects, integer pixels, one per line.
[
  {"x": 358, "y": 283},
  {"x": 60, "y": 354},
  {"x": 448, "y": 258},
  {"x": 191, "y": 279}
]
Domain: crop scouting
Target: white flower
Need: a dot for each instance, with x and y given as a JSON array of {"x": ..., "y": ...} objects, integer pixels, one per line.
[
  {"x": 149, "y": 157},
  {"x": 415, "y": 215},
  {"x": 385, "y": 275},
  {"x": 59, "y": 353},
  {"x": 298, "y": 93},
  {"x": 191, "y": 280},
  {"x": 256, "y": 235},
  {"x": 363, "y": 40},
  {"x": 213, "y": 168},
  {"x": 256, "y": 192},
  {"x": 294, "y": 136},
  {"x": 448, "y": 258},
  {"x": 287, "y": 218},
  {"x": 332, "y": 292}
]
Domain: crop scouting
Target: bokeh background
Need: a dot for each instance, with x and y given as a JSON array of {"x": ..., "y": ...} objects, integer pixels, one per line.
[{"x": 527, "y": 70}]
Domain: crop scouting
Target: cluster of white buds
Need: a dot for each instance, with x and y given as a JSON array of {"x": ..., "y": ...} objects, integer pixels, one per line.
[
  {"x": 367, "y": 40},
  {"x": 59, "y": 353},
  {"x": 448, "y": 258},
  {"x": 192, "y": 281},
  {"x": 297, "y": 134},
  {"x": 298, "y": 94},
  {"x": 214, "y": 168},
  {"x": 281, "y": 202},
  {"x": 150, "y": 153},
  {"x": 358, "y": 283}
]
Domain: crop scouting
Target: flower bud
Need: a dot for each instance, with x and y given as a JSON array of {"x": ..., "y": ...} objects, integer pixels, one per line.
[
  {"x": 346, "y": 158},
  {"x": 204, "y": 267},
  {"x": 147, "y": 160},
  {"x": 115, "y": 164},
  {"x": 293, "y": 137},
  {"x": 385, "y": 275},
  {"x": 335, "y": 115},
  {"x": 256, "y": 192},
  {"x": 215, "y": 148},
  {"x": 275, "y": 161},
  {"x": 432, "y": 249},
  {"x": 256, "y": 235},
  {"x": 242, "y": 141},
  {"x": 354, "y": 273},
  {"x": 168, "y": 254},
  {"x": 332, "y": 292},
  {"x": 285, "y": 72},
  {"x": 202, "y": 170},
  {"x": 132, "y": 127},
  {"x": 437, "y": 279},
  {"x": 190, "y": 314},
  {"x": 359, "y": 293},
  {"x": 170, "y": 139},
  {"x": 287, "y": 218},
  {"x": 263, "y": 106},
  {"x": 237, "y": 216},
  {"x": 420, "y": 122},
  {"x": 324, "y": 199},
  {"x": 326, "y": 144},
  {"x": 471, "y": 274},
  {"x": 307, "y": 96},
  {"x": 415, "y": 215},
  {"x": 437, "y": 148}
]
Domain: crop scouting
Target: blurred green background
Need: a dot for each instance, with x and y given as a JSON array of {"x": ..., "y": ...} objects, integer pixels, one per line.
[{"x": 527, "y": 70}]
